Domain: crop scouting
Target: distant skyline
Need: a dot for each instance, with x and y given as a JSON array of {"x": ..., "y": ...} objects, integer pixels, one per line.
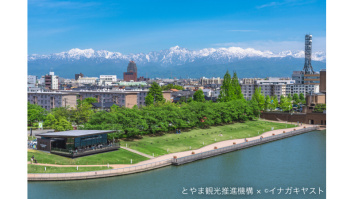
[{"x": 144, "y": 26}]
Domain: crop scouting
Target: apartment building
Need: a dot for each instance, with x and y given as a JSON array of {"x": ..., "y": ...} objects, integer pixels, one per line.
[
  {"x": 213, "y": 80},
  {"x": 50, "y": 100}
]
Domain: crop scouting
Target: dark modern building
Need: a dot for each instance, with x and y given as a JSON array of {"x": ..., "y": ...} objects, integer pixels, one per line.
[
  {"x": 132, "y": 72},
  {"x": 77, "y": 76},
  {"x": 76, "y": 143}
]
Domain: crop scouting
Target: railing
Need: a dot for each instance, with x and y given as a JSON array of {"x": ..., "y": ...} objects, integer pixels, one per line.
[
  {"x": 101, "y": 173},
  {"x": 80, "y": 151},
  {"x": 190, "y": 158}
]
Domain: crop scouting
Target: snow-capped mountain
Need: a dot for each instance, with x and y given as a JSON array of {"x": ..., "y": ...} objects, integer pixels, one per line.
[
  {"x": 176, "y": 55},
  {"x": 176, "y": 61}
]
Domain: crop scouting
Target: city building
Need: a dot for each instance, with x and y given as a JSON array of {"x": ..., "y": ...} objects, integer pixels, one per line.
[
  {"x": 121, "y": 97},
  {"x": 213, "y": 80},
  {"x": 323, "y": 81},
  {"x": 106, "y": 80},
  {"x": 182, "y": 95},
  {"x": 298, "y": 76},
  {"x": 76, "y": 143},
  {"x": 77, "y": 76},
  {"x": 143, "y": 79},
  {"x": 313, "y": 79},
  {"x": 207, "y": 92},
  {"x": 301, "y": 88},
  {"x": 32, "y": 83},
  {"x": 131, "y": 84},
  {"x": 86, "y": 80},
  {"x": 31, "y": 79},
  {"x": 50, "y": 100},
  {"x": 132, "y": 72},
  {"x": 270, "y": 86},
  {"x": 51, "y": 81}
]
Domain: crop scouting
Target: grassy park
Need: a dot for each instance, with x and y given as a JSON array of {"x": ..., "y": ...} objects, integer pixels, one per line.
[
  {"x": 194, "y": 139},
  {"x": 40, "y": 169},
  {"x": 115, "y": 157}
]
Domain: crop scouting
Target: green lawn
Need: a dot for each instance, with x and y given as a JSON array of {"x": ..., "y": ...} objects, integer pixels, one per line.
[
  {"x": 114, "y": 157},
  {"x": 40, "y": 169},
  {"x": 194, "y": 139}
]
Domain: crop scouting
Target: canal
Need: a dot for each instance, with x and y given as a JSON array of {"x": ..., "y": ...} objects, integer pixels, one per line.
[{"x": 295, "y": 162}]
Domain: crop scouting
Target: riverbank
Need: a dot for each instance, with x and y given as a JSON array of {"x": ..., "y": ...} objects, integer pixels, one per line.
[{"x": 152, "y": 163}]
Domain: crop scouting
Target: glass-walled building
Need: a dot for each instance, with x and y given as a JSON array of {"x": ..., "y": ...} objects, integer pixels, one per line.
[{"x": 76, "y": 143}]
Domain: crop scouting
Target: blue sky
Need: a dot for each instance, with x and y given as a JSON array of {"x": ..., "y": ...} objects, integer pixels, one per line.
[{"x": 142, "y": 26}]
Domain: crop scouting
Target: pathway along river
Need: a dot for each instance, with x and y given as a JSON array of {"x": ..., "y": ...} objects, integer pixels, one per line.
[{"x": 298, "y": 161}]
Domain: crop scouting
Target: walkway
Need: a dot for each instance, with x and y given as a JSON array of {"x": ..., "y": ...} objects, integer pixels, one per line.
[{"x": 137, "y": 152}]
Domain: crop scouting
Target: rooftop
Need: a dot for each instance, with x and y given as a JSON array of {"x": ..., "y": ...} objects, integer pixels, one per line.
[{"x": 75, "y": 133}]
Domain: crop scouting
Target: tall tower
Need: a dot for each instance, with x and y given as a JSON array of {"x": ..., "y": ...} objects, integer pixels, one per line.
[
  {"x": 308, "y": 51},
  {"x": 132, "y": 67}
]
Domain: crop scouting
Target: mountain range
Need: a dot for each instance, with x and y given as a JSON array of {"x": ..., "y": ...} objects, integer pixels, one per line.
[{"x": 174, "y": 62}]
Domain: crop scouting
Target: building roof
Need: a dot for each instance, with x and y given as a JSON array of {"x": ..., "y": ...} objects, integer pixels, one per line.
[{"x": 75, "y": 133}]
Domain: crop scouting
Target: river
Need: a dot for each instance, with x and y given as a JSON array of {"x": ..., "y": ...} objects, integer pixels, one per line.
[{"x": 287, "y": 164}]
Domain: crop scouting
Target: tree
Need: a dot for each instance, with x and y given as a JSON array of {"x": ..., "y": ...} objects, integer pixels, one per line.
[
  {"x": 302, "y": 98},
  {"x": 35, "y": 113},
  {"x": 156, "y": 92},
  {"x": 227, "y": 91},
  {"x": 62, "y": 125},
  {"x": 289, "y": 96},
  {"x": 149, "y": 99},
  {"x": 285, "y": 103},
  {"x": 198, "y": 96},
  {"x": 171, "y": 86},
  {"x": 267, "y": 103},
  {"x": 273, "y": 102},
  {"x": 50, "y": 121},
  {"x": 259, "y": 98},
  {"x": 236, "y": 87},
  {"x": 82, "y": 113},
  {"x": 296, "y": 98}
]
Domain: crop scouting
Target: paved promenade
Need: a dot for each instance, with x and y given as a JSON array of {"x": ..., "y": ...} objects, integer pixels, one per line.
[{"x": 152, "y": 163}]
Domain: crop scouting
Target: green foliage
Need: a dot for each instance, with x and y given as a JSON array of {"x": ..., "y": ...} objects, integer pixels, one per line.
[
  {"x": 289, "y": 96},
  {"x": 237, "y": 87},
  {"x": 154, "y": 95},
  {"x": 267, "y": 103},
  {"x": 88, "y": 100},
  {"x": 227, "y": 91},
  {"x": 149, "y": 99},
  {"x": 319, "y": 108},
  {"x": 166, "y": 117},
  {"x": 259, "y": 98},
  {"x": 83, "y": 110},
  {"x": 230, "y": 88},
  {"x": 198, "y": 96},
  {"x": 171, "y": 86},
  {"x": 302, "y": 98},
  {"x": 296, "y": 98},
  {"x": 285, "y": 103},
  {"x": 35, "y": 113},
  {"x": 273, "y": 102},
  {"x": 50, "y": 121}
]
